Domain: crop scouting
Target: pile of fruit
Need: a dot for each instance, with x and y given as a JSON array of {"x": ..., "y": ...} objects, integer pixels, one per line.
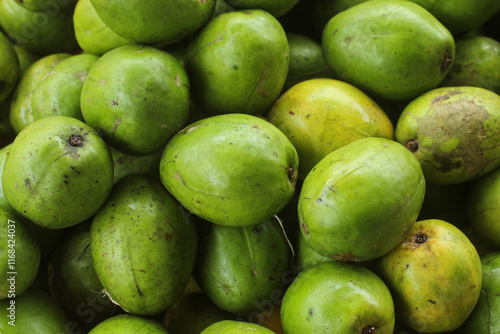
[{"x": 250, "y": 166}]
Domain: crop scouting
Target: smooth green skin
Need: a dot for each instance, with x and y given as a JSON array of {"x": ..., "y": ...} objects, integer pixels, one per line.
[
  {"x": 231, "y": 76},
  {"x": 276, "y": 8},
  {"x": 128, "y": 324},
  {"x": 242, "y": 268},
  {"x": 477, "y": 64},
  {"x": 306, "y": 60},
  {"x": 35, "y": 313},
  {"x": 127, "y": 164},
  {"x": 143, "y": 246},
  {"x": 231, "y": 169},
  {"x": 154, "y": 22},
  {"x": 483, "y": 208},
  {"x": 305, "y": 256},
  {"x": 485, "y": 319},
  {"x": 25, "y": 57},
  {"x": 436, "y": 283},
  {"x": 39, "y": 32},
  {"x": 236, "y": 327},
  {"x": 337, "y": 297},
  {"x": 391, "y": 49},
  {"x": 93, "y": 35},
  {"x": 360, "y": 200},
  {"x": 194, "y": 313},
  {"x": 9, "y": 68},
  {"x": 453, "y": 132},
  {"x": 59, "y": 92},
  {"x": 21, "y": 113},
  {"x": 137, "y": 97},
  {"x": 4, "y": 204},
  {"x": 322, "y": 115},
  {"x": 52, "y": 183},
  {"x": 48, "y": 6},
  {"x": 73, "y": 281},
  {"x": 26, "y": 254}
]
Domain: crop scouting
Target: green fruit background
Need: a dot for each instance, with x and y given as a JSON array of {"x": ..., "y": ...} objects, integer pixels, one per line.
[{"x": 249, "y": 166}]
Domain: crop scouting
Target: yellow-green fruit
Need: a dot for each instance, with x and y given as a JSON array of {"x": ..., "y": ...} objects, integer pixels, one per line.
[
  {"x": 454, "y": 132},
  {"x": 434, "y": 275},
  {"x": 128, "y": 324},
  {"x": 235, "y": 327},
  {"x": 322, "y": 115}
]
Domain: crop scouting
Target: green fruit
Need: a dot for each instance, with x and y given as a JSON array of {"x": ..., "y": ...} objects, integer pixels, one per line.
[
  {"x": 453, "y": 132},
  {"x": 48, "y": 6},
  {"x": 477, "y": 64},
  {"x": 336, "y": 297},
  {"x": 40, "y": 32},
  {"x": 19, "y": 254},
  {"x": 128, "y": 324},
  {"x": 235, "y": 327},
  {"x": 324, "y": 10},
  {"x": 157, "y": 22},
  {"x": 93, "y": 35},
  {"x": 73, "y": 281},
  {"x": 434, "y": 276},
  {"x": 142, "y": 246},
  {"x": 483, "y": 208},
  {"x": 21, "y": 113},
  {"x": 58, "y": 173},
  {"x": 275, "y": 7},
  {"x": 231, "y": 169},
  {"x": 9, "y": 68},
  {"x": 238, "y": 63},
  {"x": 4, "y": 204},
  {"x": 58, "y": 93},
  {"x": 305, "y": 256},
  {"x": 241, "y": 269},
  {"x": 137, "y": 97},
  {"x": 322, "y": 115},
  {"x": 392, "y": 49},
  {"x": 360, "y": 200},
  {"x": 26, "y": 58},
  {"x": 485, "y": 319},
  {"x": 128, "y": 164},
  {"x": 34, "y": 312}
]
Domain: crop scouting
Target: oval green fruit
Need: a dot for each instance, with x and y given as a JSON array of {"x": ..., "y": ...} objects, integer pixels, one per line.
[
  {"x": 235, "y": 327},
  {"x": 128, "y": 164},
  {"x": 58, "y": 173},
  {"x": 9, "y": 67},
  {"x": 137, "y": 97},
  {"x": 434, "y": 275},
  {"x": 232, "y": 76},
  {"x": 128, "y": 324},
  {"x": 143, "y": 246},
  {"x": 360, "y": 200},
  {"x": 157, "y": 22},
  {"x": 231, "y": 169},
  {"x": 337, "y": 297},
  {"x": 322, "y": 115},
  {"x": 453, "y": 132},
  {"x": 392, "y": 49},
  {"x": 276, "y": 8}
]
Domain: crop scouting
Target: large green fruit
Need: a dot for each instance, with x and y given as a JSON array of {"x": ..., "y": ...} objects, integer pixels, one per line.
[
  {"x": 137, "y": 97},
  {"x": 154, "y": 22},
  {"x": 392, "y": 49},
  {"x": 231, "y": 169},
  {"x": 9, "y": 67},
  {"x": 322, "y": 115},
  {"x": 128, "y": 324},
  {"x": 58, "y": 173},
  {"x": 434, "y": 275},
  {"x": 128, "y": 164},
  {"x": 238, "y": 63},
  {"x": 360, "y": 200},
  {"x": 235, "y": 327},
  {"x": 143, "y": 246},
  {"x": 336, "y": 297},
  {"x": 241, "y": 269},
  {"x": 454, "y": 132},
  {"x": 275, "y": 7},
  {"x": 59, "y": 92}
]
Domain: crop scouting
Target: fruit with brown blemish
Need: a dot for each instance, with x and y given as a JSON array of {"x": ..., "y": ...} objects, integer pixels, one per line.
[{"x": 434, "y": 275}]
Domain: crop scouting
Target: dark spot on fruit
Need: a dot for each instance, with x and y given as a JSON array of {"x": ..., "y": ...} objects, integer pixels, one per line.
[
  {"x": 412, "y": 146},
  {"x": 431, "y": 301},
  {"x": 420, "y": 238},
  {"x": 291, "y": 174},
  {"x": 345, "y": 257},
  {"x": 319, "y": 200},
  {"x": 311, "y": 312},
  {"x": 75, "y": 141},
  {"x": 291, "y": 112},
  {"x": 304, "y": 228},
  {"x": 257, "y": 229},
  {"x": 447, "y": 61},
  {"x": 369, "y": 330},
  {"x": 66, "y": 182},
  {"x": 27, "y": 183}
]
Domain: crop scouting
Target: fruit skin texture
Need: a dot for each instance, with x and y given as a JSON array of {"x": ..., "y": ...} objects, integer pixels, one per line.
[
  {"x": 9, "y": 68},
  {"x": 337, "y": 297},
  {"x": 143, "y": 246},
  {"x": 54, "y": 181},
  {"x": 158, "y": 22},
  {"x": 231, "y": 169},
  {"x": 128, "y": 324},
  {"x": 236, "y": 327},
  {"x": 360, "y": 200},
  {"x": 137, "y": 97},
  {"x": 275, "y": 7},
  {"x": 453, "y": 132},
  {"x": 322, "y": 115},
  {"x": 238, "y": 63},
  {"x": 434, "y": 275},
  {"x": 392, "y": 49}
]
